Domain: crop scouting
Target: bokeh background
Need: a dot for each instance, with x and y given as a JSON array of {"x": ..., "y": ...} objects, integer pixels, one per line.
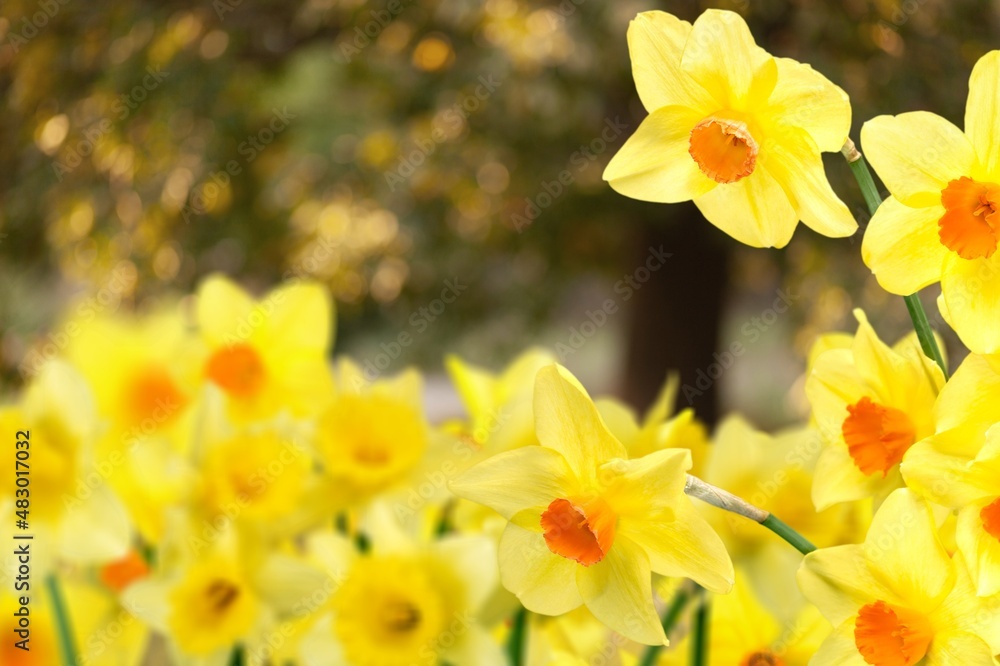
[{"x": 389, "y": 148}]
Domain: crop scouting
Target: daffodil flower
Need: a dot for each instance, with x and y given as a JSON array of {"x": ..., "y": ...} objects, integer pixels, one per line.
[
  {"x": 732, "y": 128},
  {"x": 373, "y": 438},
  {"x": 959, "y": 466},
  {"x": 269, "y": 355},
  {"x": 215, "y": 595},
  {"x": 499, "y": 405},
  {"x": 899, "y": 599},
  {"x": 71, "y": 507},
  {"x": 588, "y": 526},
  {"x": 405, "y": 601},
  {"x": 942, "y": 222},
  {"x": 659, "y": 427},
  {"x": 870, "y": 403}
]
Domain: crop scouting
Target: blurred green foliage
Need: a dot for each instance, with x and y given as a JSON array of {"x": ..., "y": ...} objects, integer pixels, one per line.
[{"x": 385, "y": 147}]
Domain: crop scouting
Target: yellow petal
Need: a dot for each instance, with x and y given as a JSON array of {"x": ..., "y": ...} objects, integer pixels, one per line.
[
  {"x": 980, "y": 549},
  {"x": 474, "y": 384},
  {"x": 297, "y": 319},
  {"x": 794, "y": 161},
  {"x": 902, "y": 247},
  {"x": 755, "y": 210},
  {"x": 530, "y": 477},
  {"x": 543, "y": 581},
  {"x": 897, "y": 380},
  {"x": 663, "y": 406},
  {"x": 654, "y": 164},
  {"x": 620, "y": 419},
  {"x": 938, "y": 468},
  {"x": 221, "y": 306},
  {"x": 647, "y": 484},
  {"x": 916, "y": 155},
  {"x": 971, "y": 395},
  {"x": 832, "y": 384},
  {"x": 905, "y": 552},
  {"x": 838, "y": 581},
  {"x": 722, "y": 56},
  {"x": 959, "y": 648},
  {"x": 965, "y": 611},
  {"x": 568, "y": 422},
  {"x": 474, "y": 646},
  {"x": 686, "y": 547},
  {"x": 971, "y": 290},
  {"x": 839, "y": 648},
  {"x": 805, "y": 98},
  {"x": 618, "y": 591},
  {"x": 982, "y": 111},
  {"x": 472, "y": 559},
  {"x": 837, "y": 479},
  {"x": 655, "y": 43}
]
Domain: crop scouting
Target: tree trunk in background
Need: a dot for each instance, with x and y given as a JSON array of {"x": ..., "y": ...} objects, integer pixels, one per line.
[{"x": 676, "y": 316}]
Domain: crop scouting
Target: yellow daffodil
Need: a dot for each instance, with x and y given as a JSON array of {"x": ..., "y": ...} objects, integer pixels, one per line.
[
  {"x": 899, "y": 599},
  {"x": 262, "y": 477},
  {"x": 870, "y": 403},
  {"x": 268, "y": 355},
  {"x": 659, "y": 427},
  {"x": 106, "y": 632},
  {"x": 71, "y": 505},
  {"x": 942, "y": 222},
  {"x": 215, "y": 595},
  {"x": 959, "y": 466},
  {"x": 774, "y": 473},
  {"x": 404, "y": 602},
  {"x": 374, "y": 438},
  {"x": 743, "y": 631},
  {"x": 146, "y": 378},
  {"x": 588, "y": 525},
  {"x": 142, "y": 370},
  {"x": 499, "y": 405},
  {"x": 734, "y": 129}
]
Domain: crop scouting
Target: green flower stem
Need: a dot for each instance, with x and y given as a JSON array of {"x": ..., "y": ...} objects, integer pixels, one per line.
[
  {"x": 718, "y": 497},
  {"x": 517, "y": 638},
  {"x": 859, "y": 167},
  {"x": 699, "y": 634},
  {"x": 236, "y": 658},
  {"x": 670, "y": 617},
  {"x": 924, "y": 333},
  {"x": 64, "y": 629},
  {"x": 801, "y": 544}
]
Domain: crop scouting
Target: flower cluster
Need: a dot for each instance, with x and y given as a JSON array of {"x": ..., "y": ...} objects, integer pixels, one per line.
[{"x": 205, "y": 480}]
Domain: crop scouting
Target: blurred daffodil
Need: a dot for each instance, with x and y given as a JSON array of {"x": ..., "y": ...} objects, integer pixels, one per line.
[
  {"x": 588, "y": 525},
  {"x": 899, "y": 598},
  {"x": 659, "y": 427},
  {"x": 499, "y": 405},
  {"x": 268, "y": 355},
  {"x": 871, "y": 403},
  {"x": 734, "y": 129},
  {"x": 942, "y": 222},
  {"x": 217, "y": 594},
  {"x": 374, "y": 438},
  {"x": 71, "y": 503},
  {"x": 404, "y": 602}
]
